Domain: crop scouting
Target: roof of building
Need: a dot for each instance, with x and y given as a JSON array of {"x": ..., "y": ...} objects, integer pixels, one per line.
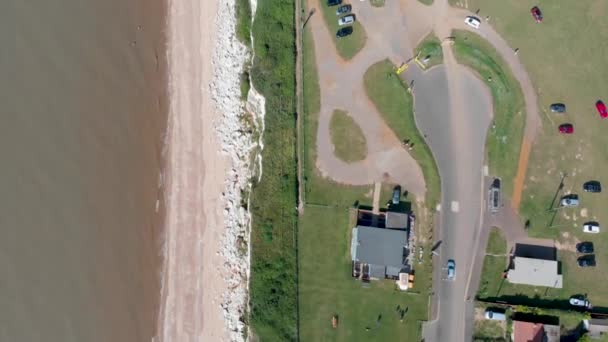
[
  {"x": 596, "y": 327},
  {"x": 379, "y": 246},
  {"x": 527, "y": 332},
  {"x": 395, "y": 220},
  {"x": 536, "y": 272}
]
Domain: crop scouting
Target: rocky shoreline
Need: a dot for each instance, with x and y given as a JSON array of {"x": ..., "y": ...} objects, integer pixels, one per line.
[{"x": 241, "y": 142}]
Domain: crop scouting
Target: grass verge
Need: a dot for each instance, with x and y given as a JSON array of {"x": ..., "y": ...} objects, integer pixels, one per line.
[
  {"x": 273, "y": 288},
  {"x": 243, "y": 21},
  {"x": 347, "y": 137},
  {"x": 497, "y": 245},
  {"x": 505, "y": 134},
  {"x": 430, "y": 47},
  {"x": 347, "y": 46},
  {"x": 426, "y": 2},
  {"x": 389, "y": 94},
  {"x": 377, "y": 3}
]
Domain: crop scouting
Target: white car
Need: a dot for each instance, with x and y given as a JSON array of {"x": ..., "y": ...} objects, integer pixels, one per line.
[
  {"x": 574, "y": 301},
  {"x": 591, "y": 227},
  {"x": 474, "y": 22},
  {"x": 348, "y": 19},
  {"x": 495, "y": 316}
]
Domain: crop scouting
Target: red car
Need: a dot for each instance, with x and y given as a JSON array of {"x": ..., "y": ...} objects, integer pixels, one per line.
[
  {"x": 566, "y": 128},
  {"x": 537, "y": 14},
  {"x": 601, "y": 108}
]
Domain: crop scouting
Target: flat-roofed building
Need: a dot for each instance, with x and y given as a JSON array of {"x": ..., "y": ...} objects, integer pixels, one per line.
[{"x": 536, "y": 272}]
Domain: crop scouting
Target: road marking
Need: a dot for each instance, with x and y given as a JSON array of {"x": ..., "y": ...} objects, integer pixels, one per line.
[
  {"x": 455, "y": 206},
  {"x": 486, "y": 170}
]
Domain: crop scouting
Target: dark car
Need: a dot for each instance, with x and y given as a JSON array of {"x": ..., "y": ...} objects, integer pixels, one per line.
[
  {"x": 333, "y": 2},
  {"x": 345, "y": 31},
  {"x": 566, "y": 128},
  {"x": 557, "y": 108},
  {"x": 584, "y": 247},
  {"x": 592, "y": 186},
  {"x": 344, "y": 9},
  {"x": 601, "y": 109},
  {"x": 586, "y": 261},
  {"x": 396, "y": 195},
  {"x": 537, "y": 14}
]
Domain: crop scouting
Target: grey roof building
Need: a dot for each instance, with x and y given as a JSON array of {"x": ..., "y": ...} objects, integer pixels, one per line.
[
  {"x": 384, "y": 250},
  {"x": 536, "y": 272}
]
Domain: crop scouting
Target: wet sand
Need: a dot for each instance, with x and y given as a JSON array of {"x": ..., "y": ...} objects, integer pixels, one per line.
[{"x": 84, "y": 113}]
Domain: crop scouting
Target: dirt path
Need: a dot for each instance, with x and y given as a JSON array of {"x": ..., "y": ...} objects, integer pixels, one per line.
[{"x": 342, "y": 87}]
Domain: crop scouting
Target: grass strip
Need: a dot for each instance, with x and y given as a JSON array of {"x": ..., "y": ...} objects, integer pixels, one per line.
[
  {"x": 273, "y": 287},
  {"x": 389, "y": 93},
  {"x": 505, "y": 135}
]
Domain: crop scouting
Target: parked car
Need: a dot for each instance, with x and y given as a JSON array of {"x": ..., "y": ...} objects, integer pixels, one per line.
[
  {"x": 344, "y": 9},
  {"x": 494, "y": 199},
  {"x": 601, "y": 109},
  {"x": 566, "y": 128},
  {"x": 579, "y": 301},
  {"x": 569, "y": 201},
  {"x": 494, "y": 315},
  {"x": 586, "y": 261},
  {"x": 537, "y": 14},
  {"x": 584, "y": 247},
  {"x": 592, "y": 186},
  {"x": 472, "y": 21},
  {"x": 451, "y": 269},
  {"x": 345, "y": 31},
  {"x": 396, "y": 195},
  {"x": 333, "y": 2},
  {"x": 557, "y": 108},
  {"x": 591, "y": 227},
  {"x": 346, "y": 20}
]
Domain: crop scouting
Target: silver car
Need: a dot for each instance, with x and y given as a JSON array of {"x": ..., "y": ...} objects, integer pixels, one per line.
[
  {"x": 569, "y": 201},
  {"x": 451, "y": 269},
  {"x": 347, "y": 19}
]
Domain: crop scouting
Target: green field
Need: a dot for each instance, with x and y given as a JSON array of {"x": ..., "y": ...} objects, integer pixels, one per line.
[
  {"x": 565, "y": 57},
  {"x": 273, "y": 290},
  {"x": 389, "y": 94},
  {"x": 505, "y": 134},
  {"x": 430, "y": 47},
  {"x": 327, "y": 287},
  {"x": 347, "y": 137},
  {"x": 347, "y": 46}
]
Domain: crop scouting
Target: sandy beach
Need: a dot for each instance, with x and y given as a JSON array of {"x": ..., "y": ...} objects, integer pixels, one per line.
[{"x": 204, "y": 275}]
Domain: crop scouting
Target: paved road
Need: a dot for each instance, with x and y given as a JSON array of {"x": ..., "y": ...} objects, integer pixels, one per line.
[{"x": 453, "y": 109}]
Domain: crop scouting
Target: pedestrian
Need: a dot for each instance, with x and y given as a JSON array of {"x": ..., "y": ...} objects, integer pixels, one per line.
[{"x": 516, "y": 51}]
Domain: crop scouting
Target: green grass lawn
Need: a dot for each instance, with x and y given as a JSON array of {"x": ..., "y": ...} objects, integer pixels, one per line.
[
  {"x": 505, "y": 134},
  {"x": 486, "y": 330},
  {"x": 327, "y": 287},
  {"x": 430, "y": 47},
  {"x": 347, "y": 46},
  {"x": 566, "y": 62},
  {"x": 347, "y": 137},
  {"x": 243, "y": 21},
  {"x": 497, "y": 244},
  {"x": 389, "y": 94}
]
